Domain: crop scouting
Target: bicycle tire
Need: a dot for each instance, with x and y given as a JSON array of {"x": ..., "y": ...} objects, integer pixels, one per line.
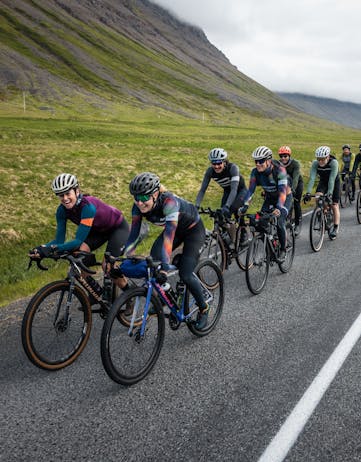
[
  {"x": 45, "y": 337},
  {"x": 317, "y": 229},
  {"x": 358, "y": 207},
  {"x": 344, "y": 195},
  {"x": 290, "y": 249},
  {"x": 215, "y": 251},
  {"x": 211, "y": 277},
  {"x": 124, "y": 354},
  {"x": 241, "y": 251},
  {"x": 257, "y": 264}
]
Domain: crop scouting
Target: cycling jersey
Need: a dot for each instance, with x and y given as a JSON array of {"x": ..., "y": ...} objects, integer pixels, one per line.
[
  {"x": 346, "y": 161},
  {"x": 229, "y": 179},
  {"x": 294, "y": 172},
  {"x": 274, "y": 181},
  {"x": 90, "y": 214},
  {"x": 356, "y": 164},
  {"x": 176, "y": 215},
  {"x": 328, "y": 174}
]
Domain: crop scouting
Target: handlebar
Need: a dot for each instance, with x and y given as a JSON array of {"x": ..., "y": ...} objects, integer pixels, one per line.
[
  {"x": 75, "y": 258},
  {"x": 216, "y": 214}
]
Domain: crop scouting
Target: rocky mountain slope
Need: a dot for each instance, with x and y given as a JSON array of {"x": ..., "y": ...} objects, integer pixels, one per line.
[{"x": 127, "y": 52}]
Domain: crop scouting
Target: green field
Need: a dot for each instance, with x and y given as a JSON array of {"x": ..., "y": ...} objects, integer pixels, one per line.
[{"x": 105, "y": 150}]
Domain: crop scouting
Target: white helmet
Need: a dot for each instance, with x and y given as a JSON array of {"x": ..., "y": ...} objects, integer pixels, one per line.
[
  {"x": 217, "y": 154},
  {"x": 262, "y": 152},
  {"x": 322, "y": 152},
  {"x": 64, "y": 182}
]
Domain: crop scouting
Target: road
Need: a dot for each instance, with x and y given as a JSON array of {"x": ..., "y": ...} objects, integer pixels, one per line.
[{"x": 220, "y": 398}]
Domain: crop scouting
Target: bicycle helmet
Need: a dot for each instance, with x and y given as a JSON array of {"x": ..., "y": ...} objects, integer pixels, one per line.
[
  {"x": 262, "y": 152},
  {"x": 346, "y": 146},
  {"x": 144, "y": 183},
  {"x": 217, "y": 154},
  {"x": 64, "y": 182},
  {"x": 322, "y": 152},
  {"x": 285, "y": 150}
]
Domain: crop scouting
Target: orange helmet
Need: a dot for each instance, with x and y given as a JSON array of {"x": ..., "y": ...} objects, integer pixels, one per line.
[{"x": 284, "y": 150}]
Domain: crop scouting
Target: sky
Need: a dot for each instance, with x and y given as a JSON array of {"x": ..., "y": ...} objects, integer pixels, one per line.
[{"x": 304, "y": 46}]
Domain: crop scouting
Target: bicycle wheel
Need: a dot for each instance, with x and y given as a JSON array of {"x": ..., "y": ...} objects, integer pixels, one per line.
[
  {"x": 211, "y": 279},
  {"x": 345, "y": 193},
  {"x": 257, "y": 264},
  {"x": 290, "y": 249},
  {"x": 358, "y": 207},
  {"x": 241, "y": 248},
  {"x": 52, "y": 337},
  {"x": 214, "y": 250},
  {"x": 127, "y": 355},
  {"x": 317, "y": 229}
]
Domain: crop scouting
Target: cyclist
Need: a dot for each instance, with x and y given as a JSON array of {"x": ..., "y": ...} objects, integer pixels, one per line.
[
  {"x": 272, "y": 176},
  {"x": 97, "y": 223},
  {"x": 182, "y": 224},
  {"x": 356, "y": 163},
  {"x": 326, "y": 167},
  {"x": 226, "y": 174},
  {"x": 293, "y": 171},
  {"x": 346, "y": 161}
]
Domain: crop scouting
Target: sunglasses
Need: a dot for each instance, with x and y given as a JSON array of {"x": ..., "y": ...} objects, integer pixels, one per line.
[
  {"x": 260, "y": 161},
  {"x": 217, "y": 162},
  {"x": 142, "y": 197},
  {"x": 284, "y": 156}
]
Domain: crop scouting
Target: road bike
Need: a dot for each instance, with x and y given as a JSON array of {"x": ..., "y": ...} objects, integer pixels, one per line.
[
  {"x": 346, "y": 195},
  {"x": 264, "y": 250},
  {"x": 291, "y": 218},
  {"x": 219, "y": 246},
  {"x": 130, "y": 350},
  {"x": 322, "y": 220},
  {"x": 57, "y": 322}
]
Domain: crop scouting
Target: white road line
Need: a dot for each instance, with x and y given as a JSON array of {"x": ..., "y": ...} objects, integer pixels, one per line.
[{"x": 295, "y": 422}]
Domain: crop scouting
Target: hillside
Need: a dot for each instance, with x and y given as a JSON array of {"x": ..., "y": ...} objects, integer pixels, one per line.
[
  {"x": 341, "y": 112},
  {"x": 101, "y": 52}
]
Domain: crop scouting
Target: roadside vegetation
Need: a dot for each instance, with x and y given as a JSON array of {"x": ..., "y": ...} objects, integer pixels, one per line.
[{"x": 105, "y": 150}]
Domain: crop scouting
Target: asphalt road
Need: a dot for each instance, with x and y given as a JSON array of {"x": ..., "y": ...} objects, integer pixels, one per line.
[{"x": 220, "y": 398}]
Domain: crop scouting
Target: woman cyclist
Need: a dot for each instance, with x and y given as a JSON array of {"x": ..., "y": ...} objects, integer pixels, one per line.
[
  {"x": 273, "y": 178},
  {"x": 181, "y": 223},
  {"x": 293, "y": 171},
  {"x": 326, "y": 167},
  {"x": 97, "y": 222},
  {"x": 226, "y": 174},
  {"x": 346, "y": 166}
]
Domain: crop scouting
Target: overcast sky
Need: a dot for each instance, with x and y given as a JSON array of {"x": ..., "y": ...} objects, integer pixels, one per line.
[{"x": 305, "y": 46}]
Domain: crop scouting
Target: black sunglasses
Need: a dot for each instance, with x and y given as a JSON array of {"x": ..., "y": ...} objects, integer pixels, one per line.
[
  {"x": 283, "y": 156},
  {"x": 260, "y": 161}
]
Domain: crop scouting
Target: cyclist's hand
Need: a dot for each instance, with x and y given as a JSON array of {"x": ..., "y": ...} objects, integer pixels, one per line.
[
  {"x": 225, "y": 211},
  {"x": 276, "y": 212},
  {"x": 328, "y": 199},
  {"x": 307, "y": 198},
  {"x": 114, "y": 271},
  {"x": 42, "y": 251},
  {"x": 242, "y": 210}
]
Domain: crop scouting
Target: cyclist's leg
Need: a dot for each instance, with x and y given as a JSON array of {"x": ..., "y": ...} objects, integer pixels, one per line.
[
  {"x": 335, "y": 202},
  {"x": 116, "y": 240},
  {"x": 281, "y": 223},
  {"x": 297, "y": 203},
  {"x": 237, "y": 203}
]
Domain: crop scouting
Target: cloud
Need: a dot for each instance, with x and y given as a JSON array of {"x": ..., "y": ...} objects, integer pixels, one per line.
[{"x": 311, "y": 46}]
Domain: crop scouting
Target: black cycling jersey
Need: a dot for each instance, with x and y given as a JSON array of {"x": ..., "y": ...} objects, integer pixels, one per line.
[
  {"x": 294, "y": 172},
  {"x": 346, "y": 161}
]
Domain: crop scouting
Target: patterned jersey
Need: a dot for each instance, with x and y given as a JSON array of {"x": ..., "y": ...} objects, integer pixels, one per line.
[
  {"x": 328, "y": 174},
  {"x": 346, "y": 161},
  {"x": 229, "y": 179},
  {"x": 89, "y": 213},
  {"x": 176, "y": 215}
]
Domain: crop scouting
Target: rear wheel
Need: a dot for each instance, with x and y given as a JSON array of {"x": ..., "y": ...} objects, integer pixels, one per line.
[
  {"x": 129, "y": 354},
  {"x": 290, "y": 249},
  {"x": 257, "y": 264},
  {"x": 211, "y": 279},
  {"x": 317, "y": 229},
  {"x": 54, "y": 334}
]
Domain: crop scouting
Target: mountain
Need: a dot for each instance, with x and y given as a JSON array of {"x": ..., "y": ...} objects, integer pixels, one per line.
[
  {"x": 342, "y": 112},
  {"x": 106, "y": 52}
]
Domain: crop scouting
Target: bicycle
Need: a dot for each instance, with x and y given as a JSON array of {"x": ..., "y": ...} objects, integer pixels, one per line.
[
  {"x": 291, "y": 218},
  {"x": 57, "y": 322},
  {"x": 129, "y": 352},
  {"x": 264, "y": 250},
  {"x": 321, "y": 221},
  {"x": 219, "y": 245},
  {"x": 346, "y": 190}
]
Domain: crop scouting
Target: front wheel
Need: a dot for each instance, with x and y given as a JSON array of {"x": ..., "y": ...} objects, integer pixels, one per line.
[
  {"x": 358, "y": 207},
  {"x": 214, "y": 250},
  {"x": 56, "y": 325},
  {"x": 211, "y": 280},
  {"x": 345, "y": 193},
  {"x": 242, "y": 246},
  {"x": 130, "y": 350},
  {"x": 290, "y": 249},
  {"x": 317, "y": 229},
  {"x": 257, "y": 264}
]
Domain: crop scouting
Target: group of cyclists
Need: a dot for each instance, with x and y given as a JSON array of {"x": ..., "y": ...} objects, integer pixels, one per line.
[{"x": 281, "y": 180}]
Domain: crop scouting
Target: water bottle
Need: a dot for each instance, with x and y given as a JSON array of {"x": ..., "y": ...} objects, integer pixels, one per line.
[
  {"x": 94, "y": 285},
  {"x": 169, "y": 291}
]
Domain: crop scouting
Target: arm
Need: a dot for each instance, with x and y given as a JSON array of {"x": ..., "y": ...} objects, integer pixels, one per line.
[
  {"x": 171, "y": 212},
  {"x": 332, "y": 177},
  {"x": 204, "y": 186},
  {"x": 313, "y": 173},
  {"x": 234, "y": 185},
  {"x": 131, "y": 243},
  {"x": 355, "y": 164},
  {"x": 296, "y": 175},
  {"x": 251, "y": 187},
  {"x": 282, "y": 189}
]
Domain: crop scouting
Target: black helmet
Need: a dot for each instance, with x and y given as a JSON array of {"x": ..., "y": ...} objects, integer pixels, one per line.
[
  {"x": 346, "y": 146},
  {"x": 144, "y": 183}
]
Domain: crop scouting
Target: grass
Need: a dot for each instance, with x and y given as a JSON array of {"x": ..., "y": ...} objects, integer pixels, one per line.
[{"x": 105, "y": 151}]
